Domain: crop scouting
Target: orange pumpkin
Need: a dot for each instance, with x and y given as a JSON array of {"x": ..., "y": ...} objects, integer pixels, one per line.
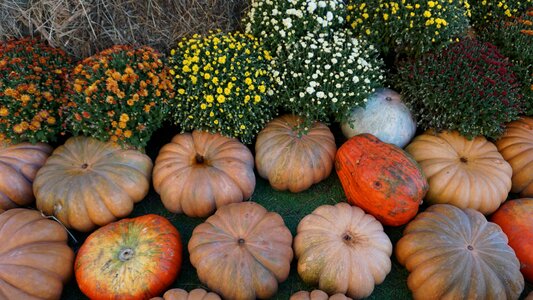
[
  {"x": 129, "y": 259},
  {"x": 196, "y": 294},
  {"x": 87, "y": 183},
  {"x": 381, "y": 179},
  {"x": 516, "y": 147},
  {"x": 35, "y": 260},
  {"x": 18, "y": 165},
  {"x": 317, "y": 295},
  {"x": 242, "y": 251},
  {"x": 200, "y": 172},
  {"x": 291, "y": 160},
  {"x": 515, "y": 217}
]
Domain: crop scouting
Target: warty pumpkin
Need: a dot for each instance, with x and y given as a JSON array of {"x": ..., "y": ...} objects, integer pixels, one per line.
[
  {"x": 242, "y": 251},
  {"x": 87, "y": 183},
  {"x": 18, "y": 165},
  {"x": 317, "y": 295},
  {"x": 196, "y": 294},
  {"x": 380, "y": 178},
  {"x": 465, "y": 173},
  {"x": 290, "y": 159},
  {"x": 453, "y": 253},
  {"x": 516, "y": 147},
  {"x": 343, "y": 250},
  {"x": 198, "y": 172},
  {"x": 35, "y": 260}
]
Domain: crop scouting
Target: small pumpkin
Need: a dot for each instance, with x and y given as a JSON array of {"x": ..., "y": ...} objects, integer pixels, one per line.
[
  {"x": 317, "y": 295},
  {"x": 290, "y": 159},
  {"x": 516, "y": 147},
  {"x": 198, "y": 172},
  {"x": 87, "y": 183},
  {"x": 465, "y": 173},
  {"x": 343, "y": 250},
  {"x": 135, "y": 258},
  {"x": 385, "y": 116},
  {"x": 196, "y": 294},
  {"x": 453, "y": 253},
  {"x": 35, "y": 260},
  {"x": 380, "y": 178},
  {"x": 242, "y": 251},
  {"x": 18, "y": 165},
  {"x": 515, "y": 217}
]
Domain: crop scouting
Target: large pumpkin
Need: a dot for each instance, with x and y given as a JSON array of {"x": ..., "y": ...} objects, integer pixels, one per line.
[
  {"x": 196, "y": 294},
  {"x": 200, "y": 172},
  {"x": 456, "y": 254},
  {"x": 381, "y": 179},
  {"x": 317, "y": 295},
  {"x": 242, "y": 251},
  {"x": 290, "y": 159},
  {"x": 385, "y": 116},
  {"x": 18, "y": 165},
  {"x": 465, "y": 173},
  {"x": 132, "y": 259},
  {"x": 516, "y": 147},
  {"x": 35, "y": 260},
  {"x": 87, "y": 183},
  {"x": 515, "y": 217},
  {"x": 343, "y": 250}
]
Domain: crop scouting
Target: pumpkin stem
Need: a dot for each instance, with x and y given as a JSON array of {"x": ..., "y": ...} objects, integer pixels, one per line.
[
  {"x": 126, "y": 254},
  {"x": 469, "y": 247},
  {"x": 84, "y": 166},
  {"x": 199, "y": 158},
  {"x": 240, "y": 241},
  {"x": 464, "y": 159},
  {"x": 388, "y": 99}
]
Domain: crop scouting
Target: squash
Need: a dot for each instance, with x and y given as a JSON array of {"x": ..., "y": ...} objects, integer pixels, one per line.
[
  {"x": 465, "y": 173},
  {"x": 381, "y": 179},
  {"x": 18, "y": 165},
  {"x": 35, "y": 260},
  {"x": 516, "y": 147},
  {"x": 456, "y": 254},
  {"x": 343, "y": 250},
  {"x": 135, "y": 258},
  {"x": 317, "y": 295},
  {"x": 87, "y": 183},
  {"x": 197, "y": 173},
  {"x": 515, "y": 217},
  {"x": 242, "y": 251},
  {"x": 196, "y": 294},
  {"x": 385, "y": 116},
  {"x": 530, "y": 296},
  {"x": 290, "y": 159}
]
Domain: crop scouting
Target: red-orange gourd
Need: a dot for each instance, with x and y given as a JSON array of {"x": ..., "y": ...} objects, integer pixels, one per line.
[{"x": 381, "y": 179}]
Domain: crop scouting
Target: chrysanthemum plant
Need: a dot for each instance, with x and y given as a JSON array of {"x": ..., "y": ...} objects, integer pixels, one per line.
[{"x": 485, "y": 12}]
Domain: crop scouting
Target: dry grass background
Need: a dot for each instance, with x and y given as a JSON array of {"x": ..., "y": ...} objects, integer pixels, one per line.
[{"x": 84, "y": 27}]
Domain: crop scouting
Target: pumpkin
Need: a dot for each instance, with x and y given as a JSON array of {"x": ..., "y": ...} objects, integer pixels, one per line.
[
  {"x": 516, "y": 147},
  {"x": 18, "y": 165},
  {"x": 35, "y": 260},
  {"x": 453, "y": 253},
  {"x": 198, "y": 172},
  {"x": 290, "y": 159},
  {"x": 381, "y": 179},
  {"x": 135, "y": 258},
  {"x": 530, "y": 296},
  {"x": 385, "y": 116},
  {"x": 242, "y": 251},
  {"x": 343, "y": 250},
  {"x": 87, "y": 183},
  {"x": 196, "y": 294},
  {"x": 317, "y": 295},
  {"x": 515, "y": 217},
  {"x": 465, "y": 173}
]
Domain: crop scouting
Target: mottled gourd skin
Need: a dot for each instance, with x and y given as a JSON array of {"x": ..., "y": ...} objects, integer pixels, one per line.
[
  {"x": 292, "y": 160},
  {"x": 380, "y": 178},
  {"x": 196, "y": 294},
  {"x": 242, "y": 251},
  {"x": 317, "y": 295},
  {"x": 197, "y": 173},
  {"x": 453, "y": 253}
]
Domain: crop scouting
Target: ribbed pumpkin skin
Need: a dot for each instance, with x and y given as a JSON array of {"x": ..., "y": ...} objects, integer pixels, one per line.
[
  {"x": 515, "y": 217},
  {"x": 292, "y": 162},
  {"x": 381, "y": 179},
  {"x": 242, "y": 251},
  {"x": 467, "y": 174},
  {"x": 87, "y": 183},
  {"x": 18, "y": 165},
  {"x": 317, "y": 295},
  {"x": 456, "y": 254},
  {"x": 343, "y": 250},
  {"x": 516, "y": 147},
  {"x": 196, "y": 294},
  {"x": 197, "y": 173},
  {"x": 129, "y": 259},
  {"x": 35, "y": 260}
]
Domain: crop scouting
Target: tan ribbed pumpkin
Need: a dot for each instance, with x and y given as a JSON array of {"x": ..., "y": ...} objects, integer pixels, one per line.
[
  {"x": 317, "y": 295},
  {"x": 196, "y": 294}
]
